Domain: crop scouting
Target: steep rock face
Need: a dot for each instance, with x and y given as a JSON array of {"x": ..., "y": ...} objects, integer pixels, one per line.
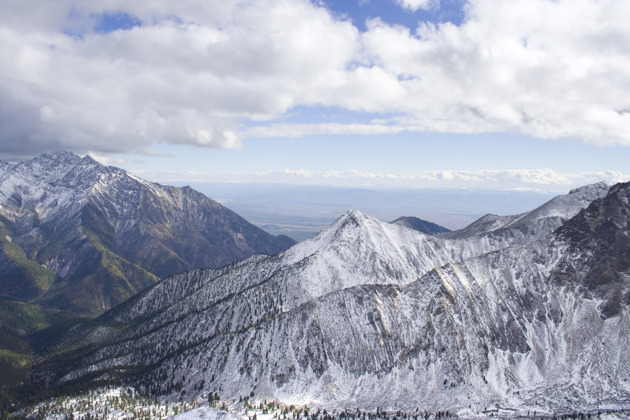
[
  {"x": 107, "y": 234},
  {"x": 536, "y": 326},
  {"x": 602, "y": 274}
]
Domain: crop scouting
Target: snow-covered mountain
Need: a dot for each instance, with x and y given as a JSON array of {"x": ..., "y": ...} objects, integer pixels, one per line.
[
  {"x": 492, "y": 232},
  {"x": 355, "y": 250},
  {"x": 525, "y": 227},
  {"x": 101, "y": 234},
  {"x": 369, "y": 314}
]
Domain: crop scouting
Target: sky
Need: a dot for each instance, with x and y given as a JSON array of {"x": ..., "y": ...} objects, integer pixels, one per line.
[{"x": 493, "y": 94}]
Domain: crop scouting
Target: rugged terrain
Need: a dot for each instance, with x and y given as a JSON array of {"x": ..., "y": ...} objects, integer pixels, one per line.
[
  {"x": 369, "y": 314},
  {"x": 80, "y": 236}
]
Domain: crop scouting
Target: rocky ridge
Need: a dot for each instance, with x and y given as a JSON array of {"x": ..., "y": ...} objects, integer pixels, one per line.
[{"x": 101, "y": 234}]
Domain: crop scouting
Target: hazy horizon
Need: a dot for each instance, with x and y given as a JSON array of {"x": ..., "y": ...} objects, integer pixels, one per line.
[{"x": 301, "y": 211}]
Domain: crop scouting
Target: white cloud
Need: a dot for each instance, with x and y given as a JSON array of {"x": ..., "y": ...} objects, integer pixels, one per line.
[
  {"x": 300, "y": 130},
  {"x": 522, "y": 179},
  {"x": 537, "y": 67},
  {"x": 417, "y": 4},
  {"x": 186, "y": 76},
  {"x": 107, "y": 160},
  {"x": 194, "y": 71},
  {"x": 541, "y": 180}
]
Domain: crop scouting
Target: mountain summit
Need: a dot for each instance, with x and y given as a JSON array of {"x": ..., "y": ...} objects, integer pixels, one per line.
[
  {"x": 100, "y": 234},
  {"x": 525, "y": 227}
]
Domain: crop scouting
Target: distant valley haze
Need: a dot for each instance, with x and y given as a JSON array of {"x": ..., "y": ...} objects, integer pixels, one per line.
[{"x": 301, "y": 211}]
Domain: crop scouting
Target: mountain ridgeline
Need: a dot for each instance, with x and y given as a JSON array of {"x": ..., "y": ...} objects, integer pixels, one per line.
[
  {"x": 528, "y": 312},
  {"x": 80, "y": 236},
  {"x": 420, "y": 225}
]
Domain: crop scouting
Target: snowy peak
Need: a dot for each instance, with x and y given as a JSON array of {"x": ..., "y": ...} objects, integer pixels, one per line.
[
  {"x": 58, "y": 154},
  {"x": 352, "y": 218},
  {"x": 48, "y": 167},
  {"x": 352, "y": 226},
  {"x": 354, "y": 222},
  {"x": 360, "y": 250},
  {"x": 350, "y": 221},
  {"x": 563, "y": 207},
  {"x": 527, "y": 227},
  {"x": 75, "y": 216},
  {"x": 589, "y": 192},
  {"x": 31, "y": 181},
  {"x": 60, "y": 159},
  {"x": 353, "y": 230},
  {"x": 87, "y": 173}
]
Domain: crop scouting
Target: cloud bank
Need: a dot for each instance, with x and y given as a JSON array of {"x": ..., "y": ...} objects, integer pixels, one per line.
[
  {"x": 215, "y": 72},
  {"x": 537, "y": 180},
  {"x": 534, "y": 179}
]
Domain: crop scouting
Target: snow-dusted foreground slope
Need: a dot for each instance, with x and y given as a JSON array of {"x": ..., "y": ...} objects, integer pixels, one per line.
[
  {"x": 205, "y": 413},
  {"x": 361, "y": 316}
]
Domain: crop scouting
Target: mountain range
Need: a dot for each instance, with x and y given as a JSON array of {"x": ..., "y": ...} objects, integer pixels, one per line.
[
  {"x": 79, "y": 236},
  {"x": 521, "y": 312}
]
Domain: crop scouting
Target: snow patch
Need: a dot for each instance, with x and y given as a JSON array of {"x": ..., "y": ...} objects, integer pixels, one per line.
[{"x": 205, "y": 413}]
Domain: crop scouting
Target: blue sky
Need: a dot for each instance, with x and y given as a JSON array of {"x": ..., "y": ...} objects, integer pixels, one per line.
[
  {"x": 491, "y": 94},
  {"x": 394, "y": 13}
]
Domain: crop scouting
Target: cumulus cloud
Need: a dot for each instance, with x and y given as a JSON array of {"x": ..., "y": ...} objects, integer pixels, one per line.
[
  {"x": 300, "y": 130},
  {"x": 186, "y": 75},
  {"x": 416, "y": 4},
  {"x": 538, "y": 67},
  {"x": 212, "y": 73}
]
